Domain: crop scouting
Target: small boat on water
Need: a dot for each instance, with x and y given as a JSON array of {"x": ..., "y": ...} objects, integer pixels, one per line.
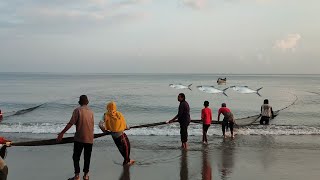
[{"x": 222, "y": 81}]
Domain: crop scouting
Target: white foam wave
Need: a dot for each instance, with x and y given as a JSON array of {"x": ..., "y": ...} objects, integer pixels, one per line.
[{"x": 169, "y": 130}]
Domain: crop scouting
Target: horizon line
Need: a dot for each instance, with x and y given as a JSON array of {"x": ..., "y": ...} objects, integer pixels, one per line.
[{"x": 154, "y": 73}]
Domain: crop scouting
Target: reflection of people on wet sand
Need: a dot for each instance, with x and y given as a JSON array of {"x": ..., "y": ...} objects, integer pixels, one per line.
[
  {"x": 184, "y": 166},
  {"x": 125, "y": 173},
  {"x": 227, "y": 159},
  {"x": 267, "y": 156},
  {"x": 206, "y": 166}
]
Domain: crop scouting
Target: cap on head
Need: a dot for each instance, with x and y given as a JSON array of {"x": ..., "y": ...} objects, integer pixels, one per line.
[
  {"x": 223, "y": 105},
  {"x": 83, "y": 100}
]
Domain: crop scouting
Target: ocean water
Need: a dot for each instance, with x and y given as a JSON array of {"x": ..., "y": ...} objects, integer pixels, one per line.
[{"x": 147, "y": 98}]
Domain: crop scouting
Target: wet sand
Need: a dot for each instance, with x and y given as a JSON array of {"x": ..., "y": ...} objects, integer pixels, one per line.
[{"x": 159, "y": 157}]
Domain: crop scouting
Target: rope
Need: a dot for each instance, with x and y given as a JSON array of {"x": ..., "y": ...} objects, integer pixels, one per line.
[{"x": 23, "y": 111}]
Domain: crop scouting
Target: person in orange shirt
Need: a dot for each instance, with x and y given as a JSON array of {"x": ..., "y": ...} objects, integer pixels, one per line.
[
  {"x": 114, "y": 122},
  {"x": 206, "y": 117}
]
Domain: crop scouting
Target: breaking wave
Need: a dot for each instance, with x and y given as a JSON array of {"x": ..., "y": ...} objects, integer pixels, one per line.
[{"x": 168, "y": 130}]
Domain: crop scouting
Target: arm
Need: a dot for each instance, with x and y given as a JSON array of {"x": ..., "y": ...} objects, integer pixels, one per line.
[
  {"x": 219, "y": 112},
  {"x": 102, "y": 124},
  {"x": 60, "y": 135},
  {"x": 202, "y": 115},
  {"x": 272, "y": 113},
  {"x": 174, "y": 119},
  {"x": 73, "y": 120}
]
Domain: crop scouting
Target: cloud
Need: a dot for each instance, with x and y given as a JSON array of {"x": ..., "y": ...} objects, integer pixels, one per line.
[
  {"x": 288, "y": 43},
  {"x": 64, "y": 14},
  {"x": 195, "y": 4}
]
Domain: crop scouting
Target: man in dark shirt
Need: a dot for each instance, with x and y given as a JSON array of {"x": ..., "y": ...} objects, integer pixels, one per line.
[{"x": 183, "y": 117}]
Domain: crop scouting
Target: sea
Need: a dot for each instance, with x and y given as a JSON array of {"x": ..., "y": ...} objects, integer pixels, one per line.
[{"x": 147, "y": 98}]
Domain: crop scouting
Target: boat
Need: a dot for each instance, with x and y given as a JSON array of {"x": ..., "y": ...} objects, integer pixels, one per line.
[{"x": 222, "y": 81}]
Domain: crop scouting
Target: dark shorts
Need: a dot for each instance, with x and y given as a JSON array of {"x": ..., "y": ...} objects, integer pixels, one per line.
[
  {"x": 184, "y": 133},
  {"x": 226, "y": 125}
]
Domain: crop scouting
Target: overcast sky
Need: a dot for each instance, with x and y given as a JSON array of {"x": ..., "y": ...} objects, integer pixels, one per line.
[{"x": 160, "y": 36}]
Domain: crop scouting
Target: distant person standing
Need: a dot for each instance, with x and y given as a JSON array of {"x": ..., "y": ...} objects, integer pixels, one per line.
[
  {"x": 206, "y": 117},
  {"x": 83, "y": 118},
  {"x": 1, "y": 116},
  {"x": 228, "y": 120},
  {"x": 266, "y": 112},
  {"x": 183, "y": 118}
]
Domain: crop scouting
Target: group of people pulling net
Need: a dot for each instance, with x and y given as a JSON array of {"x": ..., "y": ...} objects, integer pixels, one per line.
[{"x": 113, "y": 123}]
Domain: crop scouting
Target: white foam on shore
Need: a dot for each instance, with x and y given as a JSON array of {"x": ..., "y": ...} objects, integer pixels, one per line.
[{"x": 167, "y": 130}]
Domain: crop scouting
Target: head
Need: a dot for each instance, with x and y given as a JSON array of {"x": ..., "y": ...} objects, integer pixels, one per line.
[
  {"x": 181, "y": 97},
  {"x": 206, "y": 103},
  {"x": 223, "y": 105},
  {"x": 266, "y": 101},
  {"x": 83, "y": 100},
  {"x": 111, "y": 106}
]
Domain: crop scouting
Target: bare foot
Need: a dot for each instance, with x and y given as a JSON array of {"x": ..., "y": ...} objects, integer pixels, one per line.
[
  {"x": 75, "y": 177},
  {"x": 205, "y": 143},
  {"x": 130, "y": 163},
  {"x": 186, "y": 146},
  {"x": 86, "y": 177}
]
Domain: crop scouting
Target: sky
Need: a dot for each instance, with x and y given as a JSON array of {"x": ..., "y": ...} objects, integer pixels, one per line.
[{"x": 160, "y": 36}]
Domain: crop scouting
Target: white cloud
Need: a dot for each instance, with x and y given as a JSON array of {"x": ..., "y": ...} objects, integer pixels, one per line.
[
  {"x": 100, "y": 2},
  {"x": 195, "y": 4},
  {"x": 70, "y": 14},
  {"x": 288, "y": 43}
]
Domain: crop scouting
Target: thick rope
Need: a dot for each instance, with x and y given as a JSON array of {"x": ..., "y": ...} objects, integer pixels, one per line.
[{"x": 23, "y": 111}]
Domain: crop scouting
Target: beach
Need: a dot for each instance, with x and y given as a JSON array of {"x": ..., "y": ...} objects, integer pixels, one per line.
[
  {"x": 158, "y": 158},
  {"x": 76, "y": 72}
]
